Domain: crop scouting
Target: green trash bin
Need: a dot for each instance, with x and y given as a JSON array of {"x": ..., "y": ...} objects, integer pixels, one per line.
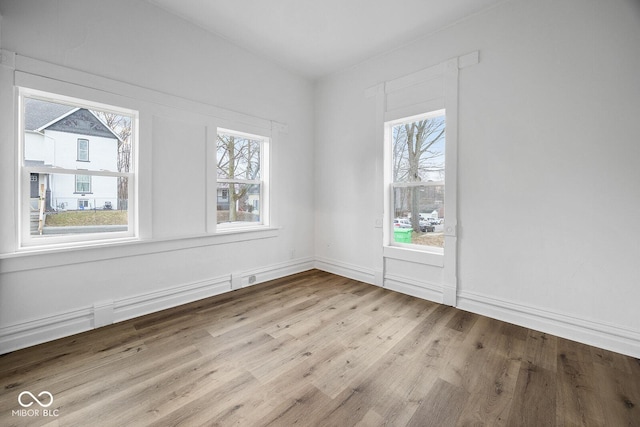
[{"x": 402, "y": 235}]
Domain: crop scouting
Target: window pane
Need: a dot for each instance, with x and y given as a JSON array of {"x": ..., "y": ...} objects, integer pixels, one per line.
[
  {"x": 58, "y": 210},
  {"x": 76, "y": 153},
  {"x": 58, "y": 135},
  {"x": 238, "y": 157},
  {"x": 83, "y": 150},
  {"x": 418, "y": 165},
  {"x": 238, "y": 203},
  {"x": 425, "y": 202},
  {"x": 418, "y": 150},
  {"x": 83, "y": 184}
]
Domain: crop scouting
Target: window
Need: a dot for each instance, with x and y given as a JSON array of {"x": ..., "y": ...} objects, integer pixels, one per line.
[
  {"x": 83, "y": 184},
  {"x": 241, "y": 179},
  {"x": 417, "y": 119},
  {"x": 417, "y": 146},
  {"x": 55, "y": 136},
  {"x": 83, "y": 150}
]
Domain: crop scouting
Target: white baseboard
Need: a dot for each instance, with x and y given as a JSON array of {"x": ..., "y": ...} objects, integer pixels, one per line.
[
  {"x": 276, "y": 271},
  {"x": 49, "y": 328},
  {"x": 398, "y": 283},
  {"x": 129, "y": 308},
  {"x": 345, "y": 270},
  {"x": 597, "y": 334},
  {"x": 405, "y": 285},
  {"x": 45, "y": 329},
  {"x": 449, "y": 295},
  {"x": 610, "y": 337}
]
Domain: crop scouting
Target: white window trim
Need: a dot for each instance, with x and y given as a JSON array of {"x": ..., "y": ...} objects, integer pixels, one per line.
[
  {"x": 265, "y": 158},
  {"x": 26, "y": 241},
  {"x": 78, "y": 150},
  {"x": 431, "y": 108},
  {"x": 447, "y": 71},
  {"x": 76, "y": 183}
]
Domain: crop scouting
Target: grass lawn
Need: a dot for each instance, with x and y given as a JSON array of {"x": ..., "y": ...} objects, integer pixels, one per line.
[
  {"x": 223, "y": 216},
  {"x": 87, "y": 217},
  {"x": 428, "y": 239}
]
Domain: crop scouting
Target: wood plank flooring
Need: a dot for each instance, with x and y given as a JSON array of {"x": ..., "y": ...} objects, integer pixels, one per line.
[{"x": 316, "y": 349}]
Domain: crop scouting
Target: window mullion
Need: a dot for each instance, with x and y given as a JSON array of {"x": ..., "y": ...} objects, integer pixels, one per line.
[
  {"x": 64, "y": 171},
  {"x": 240, "y": 181}
]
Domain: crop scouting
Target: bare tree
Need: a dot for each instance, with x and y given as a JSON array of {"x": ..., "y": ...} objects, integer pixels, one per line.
[
  {"x": 416, "y": 159},
  {"x": 121, "y": 126},
  {"x": 238, "y": 160}
]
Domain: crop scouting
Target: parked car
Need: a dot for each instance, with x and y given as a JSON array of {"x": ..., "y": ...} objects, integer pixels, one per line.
[
  {"x": 402, "y": 223},
  {"x": 427, "y": 226}
]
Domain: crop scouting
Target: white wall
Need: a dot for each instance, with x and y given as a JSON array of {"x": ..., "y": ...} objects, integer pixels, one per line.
[
  {"x": 46, "y": 295},
  {"x": 548, "y": 177}
]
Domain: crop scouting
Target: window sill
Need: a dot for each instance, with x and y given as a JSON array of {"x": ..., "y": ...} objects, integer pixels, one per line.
[
  {"x": 427, "y": 256},
  {"x": 36, "y": 257},
  {"x": 233, "y": 229}
]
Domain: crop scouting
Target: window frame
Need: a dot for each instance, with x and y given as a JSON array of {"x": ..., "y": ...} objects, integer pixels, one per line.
[
  {"x": 263, "y": 182},
  {"x": 391, "y": 185},
  {"x": 78, "y": 159},
  {"x": 27, "y": 241},
  {"x": 79, "y": 181}
]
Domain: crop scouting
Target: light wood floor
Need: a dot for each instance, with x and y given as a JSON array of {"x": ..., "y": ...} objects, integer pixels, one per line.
[{"x": 318, "y": 349}]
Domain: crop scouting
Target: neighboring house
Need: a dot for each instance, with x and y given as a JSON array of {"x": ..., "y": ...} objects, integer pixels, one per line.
[
  {"x": 253, "y": 200},
  {"x": 67, "y": 137},
  {"x": 250, "y": 202},
  {"x": 223, "y": 199}
]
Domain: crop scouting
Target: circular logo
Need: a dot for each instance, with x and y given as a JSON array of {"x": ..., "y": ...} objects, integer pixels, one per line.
[{"x": 21, "y": 399}]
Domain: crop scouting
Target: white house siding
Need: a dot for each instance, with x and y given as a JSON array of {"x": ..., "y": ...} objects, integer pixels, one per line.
[
  {"x": 103, "y": 152},
  {"x": 103, "y": 155},
  {"x": 59, "y": 149},
  {"x": 38, "y": 148}
]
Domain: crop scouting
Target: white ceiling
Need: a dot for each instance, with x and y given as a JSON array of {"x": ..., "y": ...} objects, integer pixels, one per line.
[{"x": 318, "y": 37}]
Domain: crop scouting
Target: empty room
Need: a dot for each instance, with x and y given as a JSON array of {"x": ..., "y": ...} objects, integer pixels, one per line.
[{"x": 319, "y": 213}]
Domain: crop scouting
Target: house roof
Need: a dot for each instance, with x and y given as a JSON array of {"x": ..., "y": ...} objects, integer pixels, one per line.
[
  {"x": 38, "y": 113},
  {"x": 42, "y": 115}
]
